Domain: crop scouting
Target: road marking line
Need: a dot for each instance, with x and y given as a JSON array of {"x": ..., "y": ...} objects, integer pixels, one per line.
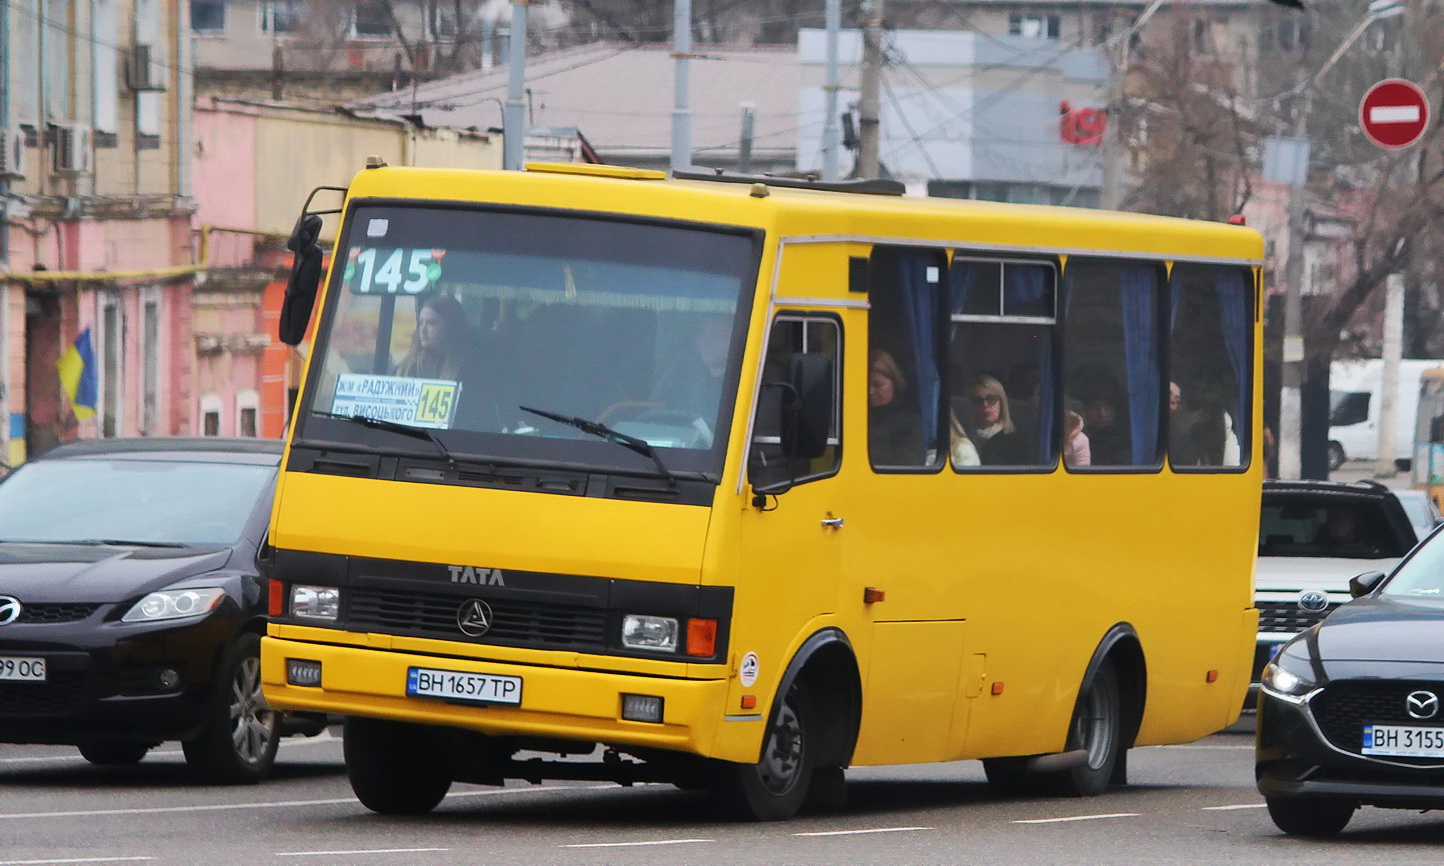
[
  {"x": 362, "y": 851},
  {"x": 84, "y": 860},
  {"x": 1240, "y": 806},
  {"x": 637, "y": 844},
  {"x": 1078, "y": 818},
  {"x": 323, "y": 737},
  {"x": 861, "y": 832},
  {"x": 280, "y": 804}
]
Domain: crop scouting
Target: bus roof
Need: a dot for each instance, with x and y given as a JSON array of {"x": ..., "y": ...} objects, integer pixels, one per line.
[{"x": 819, "y": 214}]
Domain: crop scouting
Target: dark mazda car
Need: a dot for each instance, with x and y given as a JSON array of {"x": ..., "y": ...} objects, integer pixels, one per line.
[
  {"x": 1350, "y": 710},
  {"x": 130, "y": 606}
]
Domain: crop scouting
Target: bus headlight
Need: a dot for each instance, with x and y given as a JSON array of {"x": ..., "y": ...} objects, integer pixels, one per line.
[
  {"x": 652, "y": 633},
  {"x": 315, "y": 602}
]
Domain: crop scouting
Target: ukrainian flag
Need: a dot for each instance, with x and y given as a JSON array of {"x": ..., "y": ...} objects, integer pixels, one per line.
[{"x": 77, "y": 376}]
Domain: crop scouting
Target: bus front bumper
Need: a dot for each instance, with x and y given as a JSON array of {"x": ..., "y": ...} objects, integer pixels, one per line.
[{"x": 562, "y": 703}]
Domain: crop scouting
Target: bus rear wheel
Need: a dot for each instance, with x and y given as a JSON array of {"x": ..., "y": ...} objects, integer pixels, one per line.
[
  {"x": 774, "y": 788},
  {"x": 394, "y": 768},
  {"x": 1096, "y": 728}
]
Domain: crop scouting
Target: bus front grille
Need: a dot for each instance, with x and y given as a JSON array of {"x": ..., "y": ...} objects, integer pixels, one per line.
[{"x": 513, "y": 623}]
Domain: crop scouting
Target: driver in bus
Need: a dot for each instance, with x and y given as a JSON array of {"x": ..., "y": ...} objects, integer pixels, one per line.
[{"x": 437, "y": 342}]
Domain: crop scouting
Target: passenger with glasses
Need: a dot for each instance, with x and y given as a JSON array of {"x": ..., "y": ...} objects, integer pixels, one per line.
[{"x": 994, "y": 433}]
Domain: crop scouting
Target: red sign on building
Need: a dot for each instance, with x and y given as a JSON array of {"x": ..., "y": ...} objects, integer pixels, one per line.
[
  {"x": 1394, "y": 113},
  {"x": 1082, "y": 126}
]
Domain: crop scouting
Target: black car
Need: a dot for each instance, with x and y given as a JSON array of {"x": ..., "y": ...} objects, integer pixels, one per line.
[
  {"x": 1350, "y": 711},
  {"x": 130, "y": 605}
]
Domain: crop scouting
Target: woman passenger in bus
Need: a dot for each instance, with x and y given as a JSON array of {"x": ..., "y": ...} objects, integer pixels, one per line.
[
  {"x": 894, "y": 425},
  {"x": 997, "y": 437},
  {"x": 437, "y": 342},
  {"x": 962, "y": 450}
]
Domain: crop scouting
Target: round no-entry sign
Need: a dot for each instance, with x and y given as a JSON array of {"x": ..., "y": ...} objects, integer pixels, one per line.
[{"x": 1394, "y": 113}]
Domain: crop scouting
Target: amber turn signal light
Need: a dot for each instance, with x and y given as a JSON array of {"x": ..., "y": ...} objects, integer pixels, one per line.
[{"x": 701, "y": 637}]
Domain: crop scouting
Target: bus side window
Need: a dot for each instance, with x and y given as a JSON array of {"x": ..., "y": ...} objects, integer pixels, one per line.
[
  {"x": 791, "y": 334},
  {"x": 904, "y": 386},
  {"x": 1113, "y": 366},
  {"x": 1208, "y": 423},
  {"x": 1000, "y": 355}
]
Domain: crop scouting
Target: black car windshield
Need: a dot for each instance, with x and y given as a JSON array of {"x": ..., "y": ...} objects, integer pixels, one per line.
[
  {"x": 452, "y": 320},
  {"x": 146, "y": 502},
  {"x": 1421, "y": 575}
]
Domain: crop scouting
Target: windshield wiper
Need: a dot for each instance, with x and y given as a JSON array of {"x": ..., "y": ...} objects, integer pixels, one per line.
[
  {"x": 121, "y": 542},
  {"x": 602, "y": 431},
  {"x": 395, "y": 427}
]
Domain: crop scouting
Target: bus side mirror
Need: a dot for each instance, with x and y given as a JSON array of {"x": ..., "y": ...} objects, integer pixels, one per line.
[
  {"x": 807, "y": 406},
  {"x": 305, "y": 278},
  {"x": 1363, "y": 584}
]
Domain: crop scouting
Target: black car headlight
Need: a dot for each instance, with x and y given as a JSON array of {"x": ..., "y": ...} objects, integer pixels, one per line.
[
  {"x": 175, "y": 604},
  {"x": 1288, "y": 678}
]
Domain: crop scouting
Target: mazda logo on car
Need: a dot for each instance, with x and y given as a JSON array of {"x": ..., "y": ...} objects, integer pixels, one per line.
[
  {"x": 1422, "y": 705},
  {"x": 1313, "y": 601},
  {"x": 473, "y": 617},
  {"x": 9, "y": 609}
]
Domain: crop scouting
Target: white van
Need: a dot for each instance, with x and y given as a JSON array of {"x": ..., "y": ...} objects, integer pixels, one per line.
[{"x": 1354, "y": 405}]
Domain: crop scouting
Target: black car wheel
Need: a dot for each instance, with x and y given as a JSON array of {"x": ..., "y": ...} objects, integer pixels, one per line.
[
  {"x": 1336, "y": 456},
  {"x": 114, "y": 754},
  {"x": 1305, "y": 816},
  {"x": 394, "y": 768},
  {"x": 238, "y": 744}
]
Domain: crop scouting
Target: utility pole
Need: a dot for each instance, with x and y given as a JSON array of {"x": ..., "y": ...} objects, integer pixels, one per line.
[
  {"x": 513, "y": 134},
  {"x": 681, "y": 111},
  {"x": 1389, "y": 384},
  {"x": 868, "y": 101},
  {"x": 1291, "y": 394},
  {"x": 831, "y": 137},
  {"x": 744, "y": 150}
]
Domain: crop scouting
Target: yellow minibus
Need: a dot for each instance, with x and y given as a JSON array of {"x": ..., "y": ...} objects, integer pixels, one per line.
[{"x": 737, "y": 482}]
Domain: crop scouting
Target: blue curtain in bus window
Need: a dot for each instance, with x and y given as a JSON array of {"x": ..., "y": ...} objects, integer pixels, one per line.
[
  {"x": 1140, "y": 352},
  {"x": 1027, "y": 291},
  {"x": 1233, "y": 311},
  {"x": 962, "y": 281},
  {"x": 919, "y": 306}
]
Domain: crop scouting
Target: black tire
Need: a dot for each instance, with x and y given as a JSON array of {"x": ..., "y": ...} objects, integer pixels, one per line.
[
  {"x": 238, "y": 744},
  {"x": 774, "y": 788},
  {"x": 1336, "y": 456},
  {"x": 1306, "y": 816},
  {"x": 394, "y": 768},
  {"x": 1097, "y": 728},
  {"x": 114, "y": 754}
]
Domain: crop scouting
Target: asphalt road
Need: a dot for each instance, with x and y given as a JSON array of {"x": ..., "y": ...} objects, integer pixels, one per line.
[{"x": 1192, "y": 804}]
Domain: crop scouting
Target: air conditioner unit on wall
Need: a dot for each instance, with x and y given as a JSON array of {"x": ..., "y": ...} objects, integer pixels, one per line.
[
  {"x": 12, "y": 153},
  {"x": 71, "y": 148},
  {"x": 141, "y": 72}
]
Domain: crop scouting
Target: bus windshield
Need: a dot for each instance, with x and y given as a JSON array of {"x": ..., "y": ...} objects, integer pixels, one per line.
[{"x": 490, "y": 330}]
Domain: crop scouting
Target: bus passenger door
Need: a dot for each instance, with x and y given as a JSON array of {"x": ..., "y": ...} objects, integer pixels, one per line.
[{"x": 790, "y": 533}]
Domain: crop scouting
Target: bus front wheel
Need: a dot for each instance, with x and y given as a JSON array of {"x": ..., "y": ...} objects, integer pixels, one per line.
[
  {"x": 394, "y": 768},
  {"x": 774, "y": 788}
]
